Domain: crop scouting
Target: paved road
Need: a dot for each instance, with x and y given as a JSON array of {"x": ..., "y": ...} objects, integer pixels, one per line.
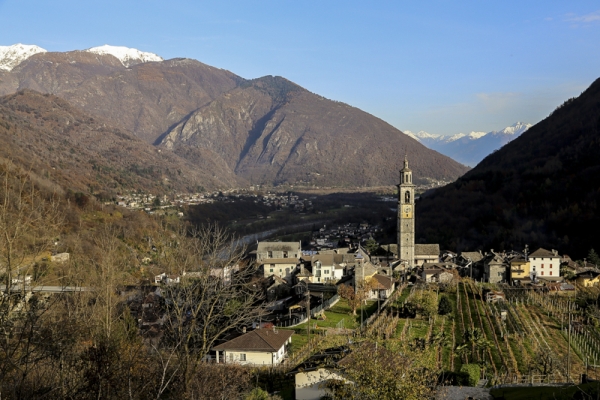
[{"x": 46, "y": 289}]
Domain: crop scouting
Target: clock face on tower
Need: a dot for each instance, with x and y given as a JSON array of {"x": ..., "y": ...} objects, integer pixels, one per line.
[{"x": 407, "y": 211}]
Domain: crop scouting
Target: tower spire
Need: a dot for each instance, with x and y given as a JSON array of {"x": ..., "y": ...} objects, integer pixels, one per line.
[{"x": 406, "y": 216}]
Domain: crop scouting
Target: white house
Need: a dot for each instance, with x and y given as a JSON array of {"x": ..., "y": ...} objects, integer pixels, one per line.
[
  {"x": 383, "y": 286},
  {"x": 167, "y": 279},
  {"x": 257, "y": 347},
  {"x": 544, "y": 264},
  {"x": 325, "y": 268}
]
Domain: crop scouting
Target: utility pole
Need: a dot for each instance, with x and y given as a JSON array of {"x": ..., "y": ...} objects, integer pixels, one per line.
[
  {"x": 569, "y": 350},
  {"x": 363, "y": 289},
  {"x": 308, "y": 315}
]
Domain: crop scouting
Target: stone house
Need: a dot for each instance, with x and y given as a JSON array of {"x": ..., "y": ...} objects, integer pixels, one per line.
[
  {"x": 436, "y": 272},
  {"x": 426, "y": 253},
  {"x": 494, "y": 268},
  {"x": 279, "y": 258}
]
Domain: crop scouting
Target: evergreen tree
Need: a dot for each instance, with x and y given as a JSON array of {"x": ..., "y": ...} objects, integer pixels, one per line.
[
  {"x": 444, "y": 306},
  {"x": 593, "y": 257}
]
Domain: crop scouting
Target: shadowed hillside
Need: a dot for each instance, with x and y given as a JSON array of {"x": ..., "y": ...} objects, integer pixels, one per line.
[{"x": 542, "y": 189}]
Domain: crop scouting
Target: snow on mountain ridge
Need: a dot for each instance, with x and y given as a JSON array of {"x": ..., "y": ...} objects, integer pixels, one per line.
[
  {"x": 472, "y": 148},
  {"x": 126, "y": 55},
  {"x": 477, "y": 135},
  {"x": 421, "y": 135},
  {"x": 514, "y": 130},
  {"x": 11, "y": 56}
]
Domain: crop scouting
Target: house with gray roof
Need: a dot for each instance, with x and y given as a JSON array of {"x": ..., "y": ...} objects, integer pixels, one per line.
[
  {"x": 279, "y": 258},
  {"x": 494, "y": 268},
  {"x": 544, "y": 264},
  {"x": 257, "y": 347},
  {"x": 426, "y": 253}
]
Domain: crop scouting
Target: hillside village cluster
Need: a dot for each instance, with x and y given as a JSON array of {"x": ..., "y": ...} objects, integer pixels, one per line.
[{"x": 149, "y": 202}]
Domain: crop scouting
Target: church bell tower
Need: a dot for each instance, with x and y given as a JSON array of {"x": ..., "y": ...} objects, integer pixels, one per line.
[{"x": 406, "y": 217}]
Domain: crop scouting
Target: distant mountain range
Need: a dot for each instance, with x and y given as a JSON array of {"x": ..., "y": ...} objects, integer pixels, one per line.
[
  {"x": 541, "y": 189},
  {"x": 266, "y": 131},
  {"x": 472, "y": 148},
  {"x": 11, "y": 56}
]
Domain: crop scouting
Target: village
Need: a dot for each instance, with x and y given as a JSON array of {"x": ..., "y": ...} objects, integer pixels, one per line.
[
  {"x": 150, "y": 202},
  {"x": 484, "y": 318},
  {"x": 493, "y": 318}
]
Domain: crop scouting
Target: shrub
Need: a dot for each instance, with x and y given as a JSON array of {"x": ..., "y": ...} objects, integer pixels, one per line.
[{"x": 473, "y": 370}]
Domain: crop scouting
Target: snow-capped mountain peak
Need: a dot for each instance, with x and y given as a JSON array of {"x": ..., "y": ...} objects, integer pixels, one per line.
[
  {"x": 472, "y": 148},
  {"x": 11, "y": 56},
  {"x": 515, "y": 129},
  {"x": 453, "y": 138},
  {"x": 477, "y": 135},
  {"x": 126, "y": 55},
  {"x": 422, "y": 135}
]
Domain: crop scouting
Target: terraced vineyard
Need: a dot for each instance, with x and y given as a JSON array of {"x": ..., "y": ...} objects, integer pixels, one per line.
[
  {"x": 520, "y": 340},
  {"x": 512, "y": 340}
]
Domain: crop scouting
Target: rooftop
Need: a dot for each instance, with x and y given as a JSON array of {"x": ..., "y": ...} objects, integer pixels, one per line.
[{"x": 258, "y": 340}]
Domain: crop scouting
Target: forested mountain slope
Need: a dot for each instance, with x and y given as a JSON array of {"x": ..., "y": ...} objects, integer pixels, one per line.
[{"x": 542, "y": 189}]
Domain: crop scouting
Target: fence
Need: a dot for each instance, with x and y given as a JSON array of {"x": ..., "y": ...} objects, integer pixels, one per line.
[
  {"x": 390, "y": 299},
  {"x": 302, "y": 318},
  {"x": 511, "y": 380}
]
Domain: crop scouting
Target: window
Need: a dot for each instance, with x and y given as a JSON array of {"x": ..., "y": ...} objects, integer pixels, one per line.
[
  {"x": 326, "y": 272},
  {"x": 550, "y": 265},
  {"x": 542, "y": 265},
  {"x": 279, "y": 270},
  {"x": 231, "y": 357},
  {"x": 285, "y": 254},
  {"x": 271, "y": 270},
  {"x": 269, "y": 254},
  {"x": 242, "y": 357},
  {"x": 542, "y": 272}
]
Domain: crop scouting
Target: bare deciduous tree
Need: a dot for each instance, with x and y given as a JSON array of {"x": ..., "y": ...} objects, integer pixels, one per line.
[{"x": 215, "y": 297}]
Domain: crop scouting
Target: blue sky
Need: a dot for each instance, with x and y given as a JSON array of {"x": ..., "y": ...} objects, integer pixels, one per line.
[{"x": 440, "y": 66}]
